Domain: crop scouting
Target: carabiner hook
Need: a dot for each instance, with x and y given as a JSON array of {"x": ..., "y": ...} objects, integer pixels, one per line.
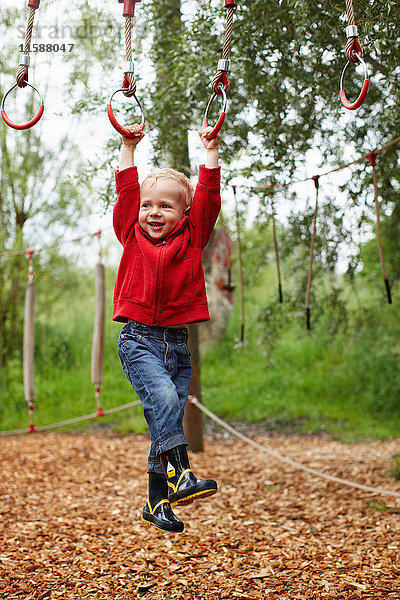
[
  {"x": 30, "y": 123},
  {"x": 113, "y": 120},
  {"x": 218, "y": 124},
  {"x": 357, "y": 103}
]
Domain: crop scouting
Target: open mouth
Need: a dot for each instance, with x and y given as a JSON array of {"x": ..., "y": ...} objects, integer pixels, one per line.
[{"x": 156, "y": 225}]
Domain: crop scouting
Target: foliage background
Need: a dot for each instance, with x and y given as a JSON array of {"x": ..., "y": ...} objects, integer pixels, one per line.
[{"x": 284, "y": 122}]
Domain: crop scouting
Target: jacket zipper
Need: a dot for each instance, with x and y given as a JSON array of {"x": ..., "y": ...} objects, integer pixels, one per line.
[{"x": 159, "y": 270}]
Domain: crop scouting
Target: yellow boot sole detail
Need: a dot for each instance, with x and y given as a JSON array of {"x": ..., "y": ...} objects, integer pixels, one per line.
[{"x": 197, "y": 496}]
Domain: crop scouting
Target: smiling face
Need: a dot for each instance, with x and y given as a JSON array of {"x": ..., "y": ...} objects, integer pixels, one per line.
[{"x": 162, "y": 206}]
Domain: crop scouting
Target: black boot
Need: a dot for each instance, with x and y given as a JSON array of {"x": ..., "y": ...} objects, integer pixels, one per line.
[
  {"x": 184, "y": 486},
  {"x": 158, "y": 511}
]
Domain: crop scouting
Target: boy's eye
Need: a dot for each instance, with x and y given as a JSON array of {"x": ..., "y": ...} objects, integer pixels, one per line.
[{"x": 166, "y": 206}]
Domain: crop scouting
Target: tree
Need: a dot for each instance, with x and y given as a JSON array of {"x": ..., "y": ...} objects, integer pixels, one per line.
[{"x": 40, "y": 188}]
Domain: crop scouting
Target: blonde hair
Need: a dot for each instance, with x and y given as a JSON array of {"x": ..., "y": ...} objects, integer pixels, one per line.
[{"x": 167, "y": 173}]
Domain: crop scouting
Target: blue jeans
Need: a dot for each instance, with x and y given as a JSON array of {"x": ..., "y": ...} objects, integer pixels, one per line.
[{"x": 156, "y": 360}]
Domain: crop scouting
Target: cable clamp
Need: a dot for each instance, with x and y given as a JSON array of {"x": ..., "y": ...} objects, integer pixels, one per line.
[
  {"x": 129, "y": 67},
  {"x": 351, "y": 31},
  {"x": 25, "y": 60},
  {"x": 223, "y": 64}
]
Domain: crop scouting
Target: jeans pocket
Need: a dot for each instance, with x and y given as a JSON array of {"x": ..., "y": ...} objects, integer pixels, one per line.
[{"x": 126, "y": 338}]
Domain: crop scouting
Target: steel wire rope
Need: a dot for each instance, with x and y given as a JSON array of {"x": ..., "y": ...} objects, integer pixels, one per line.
[{"x": 22, "y": 74}]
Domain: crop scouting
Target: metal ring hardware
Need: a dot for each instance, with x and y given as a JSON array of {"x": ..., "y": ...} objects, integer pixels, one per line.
[
  {"x": 113, "y": 120},
  {"x": 220, "y": 121},
  {"x": 357, "y": 103},
  {"x": 30, "y": 123}
]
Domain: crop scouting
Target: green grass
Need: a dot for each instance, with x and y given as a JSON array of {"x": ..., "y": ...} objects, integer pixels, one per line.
[{"x": 346, "y": 384}]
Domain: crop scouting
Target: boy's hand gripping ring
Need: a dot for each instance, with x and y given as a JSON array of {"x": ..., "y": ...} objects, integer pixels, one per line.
[
  {"x": 357, "y": 103},
  {"x": 218, "y": 124},
  {"x": 113, "y": 120},
  {"x": 30, "y": 123}
]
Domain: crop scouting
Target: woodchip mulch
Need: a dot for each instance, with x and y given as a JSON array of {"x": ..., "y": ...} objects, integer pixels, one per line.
[{"x": 71, "y": 522}]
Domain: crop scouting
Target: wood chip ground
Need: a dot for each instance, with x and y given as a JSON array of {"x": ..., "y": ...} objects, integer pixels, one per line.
[{"x": 71, "y": 522}]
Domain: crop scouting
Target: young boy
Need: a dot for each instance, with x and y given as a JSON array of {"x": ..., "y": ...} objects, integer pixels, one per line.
[{"x": 159, "y": 289}]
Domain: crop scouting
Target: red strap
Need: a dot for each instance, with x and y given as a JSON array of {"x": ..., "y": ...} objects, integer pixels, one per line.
[
  {"x": 371, "y": 158},
  {"x": 126, "y": 83},
  {"x": 315, "y": 179},
  {"x": 222, "y": 78},
  {"x": 355, "y": 47}
]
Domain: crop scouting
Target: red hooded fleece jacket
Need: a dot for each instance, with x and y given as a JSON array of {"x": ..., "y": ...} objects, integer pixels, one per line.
[{"x": 162, "y": 282}]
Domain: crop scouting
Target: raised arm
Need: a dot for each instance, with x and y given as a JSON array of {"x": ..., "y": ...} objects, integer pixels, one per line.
[
  {"x": 126, "y": 209},
  {"x": 207, "y": 198},
  {"x": 128, "y": 147}
]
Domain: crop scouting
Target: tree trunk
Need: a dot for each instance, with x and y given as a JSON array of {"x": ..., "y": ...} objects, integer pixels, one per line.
[{"x": 193, "y": 418}]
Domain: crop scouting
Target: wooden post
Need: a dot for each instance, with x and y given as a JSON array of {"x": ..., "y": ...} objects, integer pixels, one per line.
[
  {"x": 372, "y": 161},
  {"x": 239, "y": 251},
  {"x": 98, "y": 335},
  {"x": 276, "y": 250},
  {"x": 29, "y": 341},
  {"x": 310, "y": 263},
  {"x": 193, "y": 418}
]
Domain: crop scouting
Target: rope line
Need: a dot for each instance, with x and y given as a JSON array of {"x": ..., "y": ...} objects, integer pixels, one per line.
[
  {"x": 128, "y": 49},
  {"x": 350, "y": 12},
  {"x": 108, "y": 411},
  {"x": 372, "y": 162},
  {"x": 326, "y": 173},
  {"x": 313, "y": 236},
  {"x": 220, "y": 75},
  {"x": 22, "y": 74},
  {"x": 54, "y": 245},
  {"x": 289, "y": 461},
  {"x": 352, "y": 41}
]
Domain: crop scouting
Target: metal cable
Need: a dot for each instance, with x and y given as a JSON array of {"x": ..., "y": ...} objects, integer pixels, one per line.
[
  {"x": 22, "y": 74},
  {"x": 226, "y": 48},
  {"x": 352, "y": 42},
  {"x": 128, "y": 48},
  {"x": 350, "y": 12}
]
